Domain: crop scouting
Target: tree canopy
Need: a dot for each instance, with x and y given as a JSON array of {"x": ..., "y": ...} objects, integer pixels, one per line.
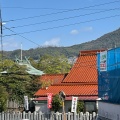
[
  {"x": 54, "y": 64},
  {"x": 3, "y": 98},
  {"x": 18, "y": 83}
]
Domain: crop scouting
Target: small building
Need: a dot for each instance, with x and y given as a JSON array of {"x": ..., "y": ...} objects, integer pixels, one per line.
[{"x": 81, "y": 81}]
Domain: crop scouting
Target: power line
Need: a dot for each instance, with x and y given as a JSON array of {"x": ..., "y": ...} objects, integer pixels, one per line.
[
  {"x": 65, "y": 18},
  {"x": 64, "y": 25},
  {"x": 49, "y": 8},
  {"x": 62, "y": 11},
  {"x": 22, "y": 36},
  {"x": 33, "y": 8}
]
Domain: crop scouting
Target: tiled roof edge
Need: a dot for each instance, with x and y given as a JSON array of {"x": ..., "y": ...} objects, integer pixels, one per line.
[
  {"x": 72, "y": 83},
  {"x": 90, "y": 52}
]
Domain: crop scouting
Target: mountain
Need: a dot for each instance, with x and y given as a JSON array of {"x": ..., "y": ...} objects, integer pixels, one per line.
[{"x": 109, "y": 40}]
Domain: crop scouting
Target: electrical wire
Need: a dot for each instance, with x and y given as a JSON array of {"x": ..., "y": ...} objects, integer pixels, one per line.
[
  {"x": 62, "y": 11},
  {"x": 64, "y": 25},
  {"x": 65, "y": 18},
  {"x": 22, "y": 36},
  {"x": 49, "y": 8},
  {"x": 33, "y": 8}
]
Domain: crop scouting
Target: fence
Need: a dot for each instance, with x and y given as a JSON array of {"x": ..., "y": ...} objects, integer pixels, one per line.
[
  {"x": 13, "y": 105},
  {"x": 43, "y": 116}
]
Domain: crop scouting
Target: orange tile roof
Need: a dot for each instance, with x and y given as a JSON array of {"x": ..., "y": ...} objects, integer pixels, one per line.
[
  {"x": 77, "y": 90},
  {"x": 54, "y": 78},
  {"x": 80, "y": 81},
  {"x": 85, "y": 68}
]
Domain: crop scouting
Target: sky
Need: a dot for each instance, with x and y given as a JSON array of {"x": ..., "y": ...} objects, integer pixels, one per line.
[{"x": 63, "y": 23}]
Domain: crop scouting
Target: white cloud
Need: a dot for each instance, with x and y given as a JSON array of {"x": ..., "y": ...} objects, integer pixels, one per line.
[
  {"x": 74, "y": 32},
  {"x": 9, "y": 45},
  {"x": 87, "y": 29},
  {"x": 84, "y": 29},
  {"x": 52, "y": 42}
]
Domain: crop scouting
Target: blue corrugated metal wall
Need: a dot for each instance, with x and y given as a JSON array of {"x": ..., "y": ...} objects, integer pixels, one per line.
[{"x": 109, "y": 81}]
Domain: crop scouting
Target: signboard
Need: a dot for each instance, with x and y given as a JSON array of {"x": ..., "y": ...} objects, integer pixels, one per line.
[
  {"x": 26, "y": 103},
  {"x": 74, "y": 104},
  {"x": 103, "y": 61},
  {"x": 49, "y": 100}
]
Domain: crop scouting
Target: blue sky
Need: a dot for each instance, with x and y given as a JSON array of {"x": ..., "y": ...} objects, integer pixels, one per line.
[{"x": 39, "y": 23}]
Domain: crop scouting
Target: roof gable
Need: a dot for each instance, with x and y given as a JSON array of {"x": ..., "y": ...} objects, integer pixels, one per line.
[{"x": 84, "y": 69}]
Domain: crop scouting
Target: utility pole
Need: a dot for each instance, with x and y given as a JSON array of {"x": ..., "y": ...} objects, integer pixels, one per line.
[
  {"x": 21, "y": 52},
  {"x": 1, "y": 38}
]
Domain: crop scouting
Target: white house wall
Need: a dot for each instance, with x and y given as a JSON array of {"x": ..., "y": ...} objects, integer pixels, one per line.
[
  {"x": 108, "y": 110},
  {"x": 43, "y": 107}
]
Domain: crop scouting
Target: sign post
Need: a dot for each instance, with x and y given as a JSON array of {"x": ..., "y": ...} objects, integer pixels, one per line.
[
  {"x": 49, "y": 100},
  {"x": 74, "y": 104},
  {"x": 62, "y": 97},
  {"x": 26, "y": 103}
]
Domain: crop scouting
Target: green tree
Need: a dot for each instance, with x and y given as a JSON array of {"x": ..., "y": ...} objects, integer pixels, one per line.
[
  {"x": 56, "y": 103},
  {"x": 3, "y": 98},
  {"x": 80, "y": 106},
  {"x": 17, "y": 81},
  {"x": 33, "y": 63},
  {"x": 54, "y": 64}
]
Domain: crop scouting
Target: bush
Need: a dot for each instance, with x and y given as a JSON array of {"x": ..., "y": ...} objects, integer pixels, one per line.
[
  {"x": 80, "y": 106},
  {"x": 56, "y": 103}
]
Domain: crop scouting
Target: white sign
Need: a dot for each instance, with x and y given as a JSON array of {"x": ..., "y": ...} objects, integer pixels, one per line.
[
  {"x": 74, "y": 104},
  {"x": 26, "y": 102},
  {"x": 103, "y": 61}
]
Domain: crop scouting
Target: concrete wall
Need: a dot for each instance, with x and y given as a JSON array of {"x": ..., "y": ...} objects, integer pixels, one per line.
[{"x": 108, "y": 110}]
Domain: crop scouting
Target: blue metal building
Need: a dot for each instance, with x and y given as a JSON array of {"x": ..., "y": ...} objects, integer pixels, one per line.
[{"x": 109, "y": 75}]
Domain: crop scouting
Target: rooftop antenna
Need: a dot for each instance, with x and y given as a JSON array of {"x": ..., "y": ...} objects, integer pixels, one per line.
[{"x": 21, "y": 52}]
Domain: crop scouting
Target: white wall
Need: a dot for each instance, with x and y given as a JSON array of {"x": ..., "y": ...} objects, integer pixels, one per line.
[
  {"x": 108, "y": 110},
  {"x": 43, "y": 107}
]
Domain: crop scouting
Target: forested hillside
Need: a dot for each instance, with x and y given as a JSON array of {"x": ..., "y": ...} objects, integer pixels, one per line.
[{"x": 109, "y": 40}]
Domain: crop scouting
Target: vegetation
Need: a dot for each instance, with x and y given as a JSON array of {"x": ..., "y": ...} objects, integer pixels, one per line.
[
  {"x": 56, "y": 103},
  {"x": 3, "y": 98},
  {"x": 106, "y": 41},
  {"x": 80, "y": 106},
  {"x": 45, "y": 84},
  {"x": 18, "y": 83},
  {"x": 50, "y": 64}
]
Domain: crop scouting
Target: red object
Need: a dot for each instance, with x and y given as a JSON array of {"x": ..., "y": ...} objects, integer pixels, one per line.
[
  {"x": 49, "y": 100},
  {"x": 74, "y": 98}
]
